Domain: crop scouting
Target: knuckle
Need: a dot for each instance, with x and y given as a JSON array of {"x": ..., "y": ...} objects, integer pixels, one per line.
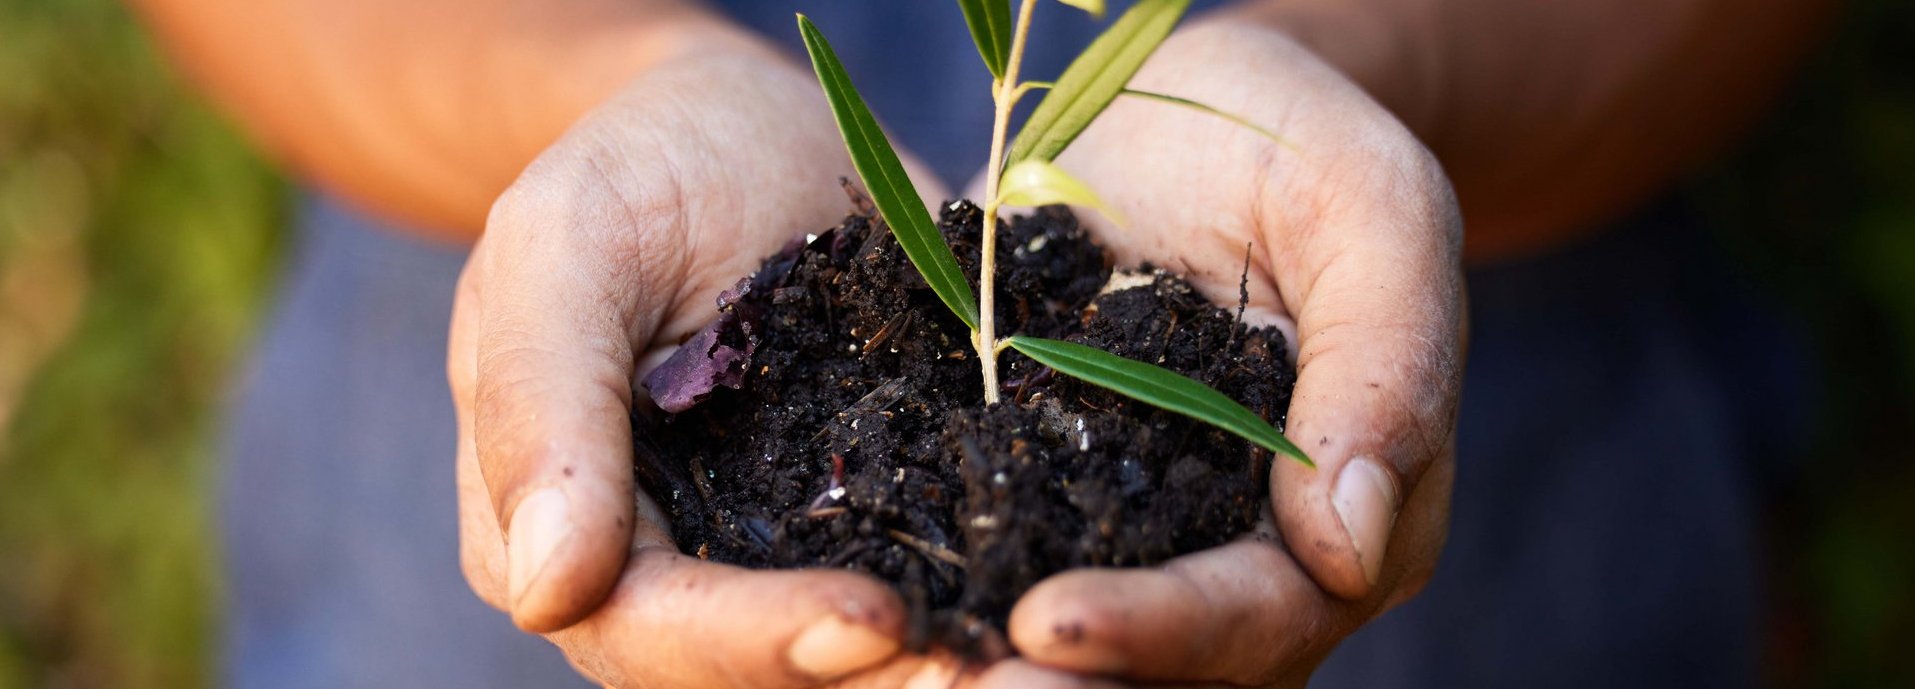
[
  {"x": 612, "y": 212},
  {"x": 598, "y": 187},
  {"x": 507, "y": 376},
  {"x": 587, "y": 659}
]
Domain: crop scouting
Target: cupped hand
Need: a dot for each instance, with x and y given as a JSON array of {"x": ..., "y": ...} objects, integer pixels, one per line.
[
  {"x": 608, "y": 250},
  {"x": 1353, "y": 242}
]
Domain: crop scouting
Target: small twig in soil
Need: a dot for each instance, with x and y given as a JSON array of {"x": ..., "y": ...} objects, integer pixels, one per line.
[
  {"x": 1165, "y": 351},
  {"x": 833, "y": 491},
  {"x": 847, "y": 555},
  {"x": 1243, "y": 297},
  {"x": 827, "y": 512},
  {"x": 1236, "y": 370},
  {"x": 700, "y": 480},
  {"x": 878, "y": 398},
  {"x": 879, "y": 232},
  {"x": 858, "y": 200},
  {"x": 931, "y": 550},
  {"x": 891, "y": 327},
  {"x": 1025, "y": 382}
]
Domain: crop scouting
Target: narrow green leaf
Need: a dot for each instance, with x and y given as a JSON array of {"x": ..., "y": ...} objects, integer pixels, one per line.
[
  {"x": 1239, "y": 120},
  {"x": 1157, "y": 387},
  {"x": 883, "y": 174},
  {"x": 1094, "y": 7},
  {"x": 1038, "y": 183},
  {"x": 1095, "y": 78},
  {"x": 990, "y": 22}
]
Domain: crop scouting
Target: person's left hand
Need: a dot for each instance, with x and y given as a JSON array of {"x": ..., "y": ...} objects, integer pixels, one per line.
[{"x": 1355, "y": 246}]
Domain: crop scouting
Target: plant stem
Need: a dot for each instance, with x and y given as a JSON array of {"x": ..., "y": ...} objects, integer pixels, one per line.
[{"x": 1004, "y": 95}]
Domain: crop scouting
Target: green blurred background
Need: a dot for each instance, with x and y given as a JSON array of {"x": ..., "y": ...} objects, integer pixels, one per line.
[{"x": 140, "y": 237}]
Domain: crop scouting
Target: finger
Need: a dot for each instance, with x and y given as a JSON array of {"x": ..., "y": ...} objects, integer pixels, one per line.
[
  {"x": 1022, "y": 674},
  {"x": 481, "y": 545},
  {"x": 677, "y": 621},
  {"x": 1244, "y": 613},
  {"x": 939, "y": 670},
  {"x": 1379, "y": 368},
  {"x": 568, "y": 283}
]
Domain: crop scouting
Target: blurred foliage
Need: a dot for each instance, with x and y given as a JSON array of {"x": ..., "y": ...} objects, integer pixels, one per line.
[
  {"x": 136, "y": 241},
  {"x": 1821, "y": 208}
]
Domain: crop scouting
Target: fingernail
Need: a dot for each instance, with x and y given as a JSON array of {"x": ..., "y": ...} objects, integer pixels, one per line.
[
  {"x": 1366, "y": 503},
  {"x": 934, "y": 675},
  {"x": 541, "y": 524},
  {"x": 832, "y": 647}
]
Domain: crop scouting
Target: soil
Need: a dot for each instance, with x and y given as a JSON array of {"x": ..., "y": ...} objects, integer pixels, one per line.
[{"x": 847, "y": 427}]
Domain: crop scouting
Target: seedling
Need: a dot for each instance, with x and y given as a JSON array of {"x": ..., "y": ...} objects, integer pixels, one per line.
[{"x": 1025, "y": 176}]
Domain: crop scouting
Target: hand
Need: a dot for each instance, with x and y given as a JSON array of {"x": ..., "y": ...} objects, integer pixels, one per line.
[
  {"x": 608, "y": 249},
  {"x": 1354, "y": 243}
]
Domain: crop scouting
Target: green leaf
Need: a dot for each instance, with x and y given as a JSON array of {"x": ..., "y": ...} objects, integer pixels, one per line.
[
  {"x": 1240, "y": 120},
  {"x": 1158, "y": 387},
  {"x": 1094, "y": 7},
  {"x": 1095, "y": 78},
  {"x": 1038, "y": 183},
  {"x": 883, "y": 174},
  {"x": 990, "y": 22}
]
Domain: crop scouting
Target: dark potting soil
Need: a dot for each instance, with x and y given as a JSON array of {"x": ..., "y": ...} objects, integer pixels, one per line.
[{"x": 834, "y": 417}]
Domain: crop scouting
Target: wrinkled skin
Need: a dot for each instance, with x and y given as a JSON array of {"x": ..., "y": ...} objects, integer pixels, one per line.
[{"x": 615, "y": 242}]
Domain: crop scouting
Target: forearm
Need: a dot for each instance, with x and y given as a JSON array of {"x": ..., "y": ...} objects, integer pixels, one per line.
[
  {"x": 422, "y": 110},
  {"x": 1550, "y": 117}
]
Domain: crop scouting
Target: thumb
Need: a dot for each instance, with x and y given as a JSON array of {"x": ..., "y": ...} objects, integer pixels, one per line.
[
  {"x": 553, "y": 399},
  {"x": 1379, "y": 371}
]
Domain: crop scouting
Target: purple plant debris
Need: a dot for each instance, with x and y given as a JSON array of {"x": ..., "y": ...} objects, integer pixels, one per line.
[
  {"x": 719, "y": 353},
  {"x": 698, "y": 367}
]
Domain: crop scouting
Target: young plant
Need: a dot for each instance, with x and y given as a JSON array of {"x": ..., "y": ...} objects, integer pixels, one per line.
[{"x": 1024, "y": 176}]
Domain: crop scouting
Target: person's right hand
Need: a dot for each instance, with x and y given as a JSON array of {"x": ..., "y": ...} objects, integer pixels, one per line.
[{"x": 607, "y": 250}]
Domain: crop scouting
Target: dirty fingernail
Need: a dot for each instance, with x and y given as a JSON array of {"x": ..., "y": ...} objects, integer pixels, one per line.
[
  {"x": 832, "y": 647},
  {"x": 541, "y": 524},
  {"x": 1366, "y": 503}
]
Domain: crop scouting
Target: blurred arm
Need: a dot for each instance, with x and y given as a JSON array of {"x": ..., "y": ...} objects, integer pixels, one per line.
[
  {"x": 423, "y": 110},
  {"x": 1550, "y": 116}
]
